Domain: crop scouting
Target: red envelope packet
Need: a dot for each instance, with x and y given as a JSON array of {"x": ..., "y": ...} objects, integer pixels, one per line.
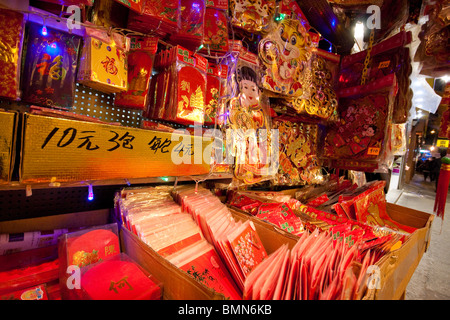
[
  {"x": 203, "y": 263},
  {"x": 118, "y": 279},
  {"x": 140, "y": 66},
  {"x": 215, "y": 37},
  {"x": 247, "y": 247}
]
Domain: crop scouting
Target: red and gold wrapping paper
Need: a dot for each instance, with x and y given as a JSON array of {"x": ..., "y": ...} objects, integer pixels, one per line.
[
  {"x": 11, "y": 41},
  {"x": 140, "y": 66},
  {"x": 359, "y": 139},
  {"x": 216, "y": 87},
  {"x": 215, "y": 37}
]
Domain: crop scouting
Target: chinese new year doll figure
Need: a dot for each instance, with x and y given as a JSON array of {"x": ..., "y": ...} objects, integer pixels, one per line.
[
  {"x": 284, "y": 53},
  {"x": 249, "y": 120}
]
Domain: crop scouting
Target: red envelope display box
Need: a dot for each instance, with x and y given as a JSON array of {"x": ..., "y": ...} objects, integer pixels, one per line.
[{"x": 118, "y": 278}]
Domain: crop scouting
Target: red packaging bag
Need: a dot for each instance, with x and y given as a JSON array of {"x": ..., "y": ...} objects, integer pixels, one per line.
[
  {"x": 11, "y": 42},
  {"x": 215, "y": 33},
  {"x": 190, "y": 34},
  {"x": 247, "y": 247},
  {"x": 119, "y": 278},
  {"x": 140, "y": 66},
  {"x": 190, "y": 88},
  {"x": 161, "y": 17},
  {"x": 216, "y": 87}
]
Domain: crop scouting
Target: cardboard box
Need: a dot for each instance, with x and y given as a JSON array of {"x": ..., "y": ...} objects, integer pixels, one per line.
[
  {"x": 178, "y": 285},
  {"x": 62, "y": 150},
  {"x": 397, "y": 267},
  {"x": 8, "y": 129}
]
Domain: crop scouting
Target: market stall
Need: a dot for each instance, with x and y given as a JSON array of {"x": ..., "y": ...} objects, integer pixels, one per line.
[{"x": 209, "y": 150}]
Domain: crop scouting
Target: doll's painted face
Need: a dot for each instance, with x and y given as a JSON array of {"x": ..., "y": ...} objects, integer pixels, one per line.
[
  {"x": 369, "y": 132},
  {"x": 249, "y": 93}
]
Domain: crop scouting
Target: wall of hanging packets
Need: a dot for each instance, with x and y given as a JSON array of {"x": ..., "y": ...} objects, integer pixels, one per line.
[
  {"x": 230, "y": 67},
  {"x": 250, "y": 68}
]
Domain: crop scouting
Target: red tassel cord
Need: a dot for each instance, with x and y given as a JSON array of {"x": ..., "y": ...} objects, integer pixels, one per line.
[{"x": 442, "y": 188}]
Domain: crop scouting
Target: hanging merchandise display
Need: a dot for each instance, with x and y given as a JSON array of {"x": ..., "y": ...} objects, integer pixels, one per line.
[
  {"x": 320, "y": 100},
  {"x": 11, "y": 42},
  {"x": 50, "y": 67},
  {"x": 215, "y": 33},
  {"x": 388, "y": 57},
  {"x": 140, "y": 66},
  {"x": 284, "y": 53},
  {"x": 103, "y": 61},
  {"x": 179, "y": 88},
  {"x": 189, "y": 88},
  {"x": 216, "y": 90},
  {"x": 298, "y": 156},
  {"x": 358, "y": 140}
]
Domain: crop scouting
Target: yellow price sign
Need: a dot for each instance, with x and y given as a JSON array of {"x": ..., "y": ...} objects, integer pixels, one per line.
[
  {"x": 71, "y": 151},
  {"x": 442, "y": 143}
]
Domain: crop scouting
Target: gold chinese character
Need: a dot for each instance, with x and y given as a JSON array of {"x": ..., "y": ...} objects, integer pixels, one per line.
[{"x": 119, "y": 285}]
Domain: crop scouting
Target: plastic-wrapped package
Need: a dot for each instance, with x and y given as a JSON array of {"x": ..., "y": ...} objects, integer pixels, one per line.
[
  {"x": 252, "y": 16},
  {"x": 359, "y": 139},
  {"x": 140, "y": 66},
  {"x": 320, "y": 99},
  {"x": 11, "y": 43},
  {"x": 299, "y": 163},
  {"x": 216, "y": 87},
  {"x": 103, "y": 62},
  {"x": 388, "y": 57},
  {"x": 189, "y": 88},
  {"x": 190, "y": 34},
  {"x": 50, "y": 66},
  {"x": 119, "y": 278},
  {"x": 215, "y": 37},
  {"x": 82, "y": 248},
  {"x": 249, "y": 122},
  {"x": 284, "y": 54},
  {"x": 158, "y": 18}
]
